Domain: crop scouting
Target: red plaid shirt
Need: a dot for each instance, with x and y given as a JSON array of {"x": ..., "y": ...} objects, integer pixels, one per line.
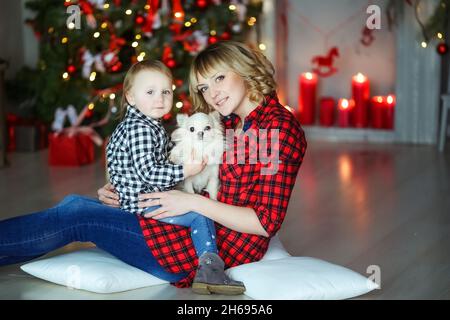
[{"x": 241, "y": 185}]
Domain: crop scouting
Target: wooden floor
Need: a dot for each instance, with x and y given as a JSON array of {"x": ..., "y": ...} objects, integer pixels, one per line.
[{"x": 356, "y": 205}]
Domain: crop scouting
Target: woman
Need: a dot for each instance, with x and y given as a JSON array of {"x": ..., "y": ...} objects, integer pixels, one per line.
[{"x": 237, "y": 82}]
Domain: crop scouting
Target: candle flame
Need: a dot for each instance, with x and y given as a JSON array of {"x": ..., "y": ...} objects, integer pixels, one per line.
[
  {"x": 380, "y": 99},
  {"x": 390, "y": 99},
  {"x": 309, "y": 75},
  {"x": 360, "y": 77},
  {"x": 344, "y": 104}
]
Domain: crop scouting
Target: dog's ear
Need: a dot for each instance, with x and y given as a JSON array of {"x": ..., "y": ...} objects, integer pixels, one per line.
[
  {"x": 177, "y": 135},
  {"x": 181, "y": 119},
  {"x": 215, "y": 115}
]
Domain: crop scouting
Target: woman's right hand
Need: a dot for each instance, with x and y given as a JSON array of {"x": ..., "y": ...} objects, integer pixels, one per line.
[{"x": 107, "y": 195}]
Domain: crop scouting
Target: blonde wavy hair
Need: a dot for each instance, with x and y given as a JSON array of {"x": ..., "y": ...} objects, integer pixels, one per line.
[
  {"x": 254, "y": 68},
  {"x": 150, "y": 65}
]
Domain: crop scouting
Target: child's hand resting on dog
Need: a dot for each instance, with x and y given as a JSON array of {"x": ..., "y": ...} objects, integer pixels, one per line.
[{"x": 193, "y": 166}]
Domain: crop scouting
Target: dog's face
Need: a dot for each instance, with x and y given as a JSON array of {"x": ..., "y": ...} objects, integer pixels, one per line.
[{"x": 200, "y": 127}]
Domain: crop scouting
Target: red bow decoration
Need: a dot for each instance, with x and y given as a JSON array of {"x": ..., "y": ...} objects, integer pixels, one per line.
[
  {"x": 115, "y": 42},
  {"x": 178, "y": 16},
  {"x": 152, "y": 9},
  {"x": 86, "y": 7}
]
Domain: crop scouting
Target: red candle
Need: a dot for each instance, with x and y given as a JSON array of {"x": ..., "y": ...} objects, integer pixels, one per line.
[
  {"x": 376, "y": 112},
  {"x": 327, "y": 111},
  {"x": 388, "y": 114},
  {"x": 345, "y": 108},
  {"x": 361, "y": 95},
  {"x": 307, "y": 97}
]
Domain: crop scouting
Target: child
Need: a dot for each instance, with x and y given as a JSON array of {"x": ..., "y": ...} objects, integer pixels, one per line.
[{"x": 138, "y": 161}]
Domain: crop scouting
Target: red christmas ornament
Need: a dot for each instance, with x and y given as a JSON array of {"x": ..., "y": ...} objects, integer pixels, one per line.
[
  {"x": 202, "y": 4},
  {"x": 178, "y": 82},
  {"x": 116, "y": 67},
  {"x": 225, "y": 36},
  {"x": 71, "y": 69},
  {"x": 167, "y": 53},
  {"x": 171, "y": 63},
  {"x": 89, "y": 113},
  {"x": 442, "y": 48},
  {"x": 167, "y": 57},
  {"x": 212, "y": 40},
  {"x": 167, "y": 116},
  {"x": 139, "y": 20},
  {"x": 187, "y": 106}
]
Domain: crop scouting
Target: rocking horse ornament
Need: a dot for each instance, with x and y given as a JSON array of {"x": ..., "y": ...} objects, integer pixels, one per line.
[{"x": 324, "y": 64}]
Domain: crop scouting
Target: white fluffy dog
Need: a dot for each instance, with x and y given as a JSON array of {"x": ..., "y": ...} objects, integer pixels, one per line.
[{"x": 202, "y": 135}]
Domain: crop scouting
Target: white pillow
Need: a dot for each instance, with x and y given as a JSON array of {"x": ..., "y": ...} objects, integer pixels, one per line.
[
  {"x": 97, "y": 271},
  {"x": 276, "y": 276},
  {"x": 92, "y": 270},
  {"x": 292, "y": 278},
  {"x": 276, "y": 250}
]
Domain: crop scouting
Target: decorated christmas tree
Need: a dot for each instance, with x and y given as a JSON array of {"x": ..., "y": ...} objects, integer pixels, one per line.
[
  {"x": 86, "y": 47},
  {"x": 432, "y": 28}
]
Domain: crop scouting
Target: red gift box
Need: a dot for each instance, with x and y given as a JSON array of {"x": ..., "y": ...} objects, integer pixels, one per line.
[
  {"x": 25, "y": 134},
  {"x": 76, "y": 150}
]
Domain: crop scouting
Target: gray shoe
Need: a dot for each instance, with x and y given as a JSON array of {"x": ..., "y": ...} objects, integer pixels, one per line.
[{"x": 211, "y": 277}]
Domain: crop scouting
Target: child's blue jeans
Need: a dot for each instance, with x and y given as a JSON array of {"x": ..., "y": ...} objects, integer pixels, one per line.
[
  {"x": 203, "y": 231},
  {"x": 79, "y": 218}
]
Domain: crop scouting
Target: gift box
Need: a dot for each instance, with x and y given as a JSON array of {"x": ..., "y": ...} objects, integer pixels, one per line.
[
  {"x": 76, "y": 150},
  {"x": 29, "y": 138},
  {"x": 25, "y": 135}
]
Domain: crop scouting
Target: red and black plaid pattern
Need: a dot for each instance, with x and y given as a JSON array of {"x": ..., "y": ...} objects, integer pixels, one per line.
[{"x": 245, "y": 185}]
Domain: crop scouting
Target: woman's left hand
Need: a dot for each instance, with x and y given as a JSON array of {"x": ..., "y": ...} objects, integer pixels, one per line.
[{"x": 173, "y": 203}]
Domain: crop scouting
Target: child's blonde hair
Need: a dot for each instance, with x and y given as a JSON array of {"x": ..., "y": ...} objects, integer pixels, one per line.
[
  {"x": 256, "y": 70},
  {"x": 151, "y": 65}
]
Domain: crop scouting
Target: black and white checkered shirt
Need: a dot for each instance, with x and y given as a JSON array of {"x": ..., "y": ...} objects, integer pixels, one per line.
[{"x": 138, "y": 162}]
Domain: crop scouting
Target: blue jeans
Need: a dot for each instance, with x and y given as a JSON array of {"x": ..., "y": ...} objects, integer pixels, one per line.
[
  {"x": 84, "y": 219},
  {"x": 203, "y": 231}
]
